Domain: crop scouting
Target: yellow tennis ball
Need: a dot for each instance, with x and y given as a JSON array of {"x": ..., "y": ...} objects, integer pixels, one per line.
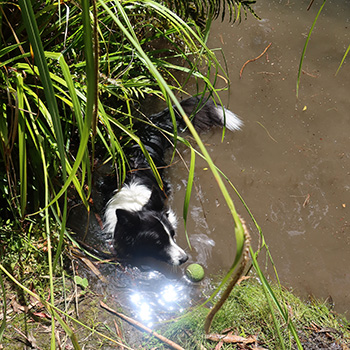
[{"x": 195, "y": 272}]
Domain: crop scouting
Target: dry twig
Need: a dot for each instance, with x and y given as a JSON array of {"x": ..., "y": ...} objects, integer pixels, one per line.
[
  {"x": 230, "y": 338},
  {"x": 310, "y": 4},
  {"x": 307, "y": 200},
  {"x": 142, "y": 327}
]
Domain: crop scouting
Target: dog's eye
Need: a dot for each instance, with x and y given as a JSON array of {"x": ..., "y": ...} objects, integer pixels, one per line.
[{"x": 172, "y": 234}]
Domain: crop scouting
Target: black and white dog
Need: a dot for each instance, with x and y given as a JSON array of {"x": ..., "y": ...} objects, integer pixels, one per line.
[{"x": 137, "y": 214}]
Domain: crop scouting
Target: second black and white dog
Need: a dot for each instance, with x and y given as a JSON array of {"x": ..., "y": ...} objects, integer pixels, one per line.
[{"x": 137, "y": 214}]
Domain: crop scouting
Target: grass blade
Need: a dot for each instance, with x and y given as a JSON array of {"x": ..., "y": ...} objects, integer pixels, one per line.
[
  {"x": 39, "y": 57},
  {"x": 188, "y": 192},
  {"x": 305, "y": 46},
  {"x": 91, "y": 69},
  {"x": 21, "y": 145},
  {"x": 343, "y": 59},
  {"x": 4, "y": 309},
  {"x": 270, "y": 297}
]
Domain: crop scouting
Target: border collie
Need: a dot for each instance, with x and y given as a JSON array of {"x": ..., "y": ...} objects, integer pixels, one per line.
[{"x": 137, "y": 214}]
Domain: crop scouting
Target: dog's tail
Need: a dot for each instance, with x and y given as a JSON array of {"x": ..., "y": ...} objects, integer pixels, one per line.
[{"x": 206, "y": 114}]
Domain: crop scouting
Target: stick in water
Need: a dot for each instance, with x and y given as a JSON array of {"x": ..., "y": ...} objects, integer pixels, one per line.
[
  {"x": 254, "y": 59},
  {"x": 141, "y": 326}
]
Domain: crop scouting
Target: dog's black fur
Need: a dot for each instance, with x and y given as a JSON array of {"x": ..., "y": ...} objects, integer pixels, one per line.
[{"x": 137, "y": 214}]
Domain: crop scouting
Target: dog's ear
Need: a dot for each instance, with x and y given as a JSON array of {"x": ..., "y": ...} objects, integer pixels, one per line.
[
  {"x": 156, "y": 201},
  {"x": 125, "y": 217}
]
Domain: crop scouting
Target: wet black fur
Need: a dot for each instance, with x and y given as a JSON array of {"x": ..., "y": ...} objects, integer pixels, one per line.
[{"x": 143, "y": 232}]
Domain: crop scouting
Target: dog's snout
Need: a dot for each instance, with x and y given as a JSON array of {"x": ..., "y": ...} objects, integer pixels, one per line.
[
  {"x": 177, "y": 255},
  {"x": 183, "y": 259}
]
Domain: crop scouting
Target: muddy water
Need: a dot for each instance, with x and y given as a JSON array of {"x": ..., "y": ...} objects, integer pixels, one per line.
[{"x": 290, "y": 163}]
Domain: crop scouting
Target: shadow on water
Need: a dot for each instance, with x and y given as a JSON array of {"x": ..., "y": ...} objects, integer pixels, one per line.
[{"x": 290, "y": 163}]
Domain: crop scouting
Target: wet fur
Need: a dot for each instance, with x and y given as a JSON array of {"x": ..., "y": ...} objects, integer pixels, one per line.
[{"x": 137, "y": 215}]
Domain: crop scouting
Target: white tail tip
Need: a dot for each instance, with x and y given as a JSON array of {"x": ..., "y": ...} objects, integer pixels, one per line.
[{"x": 229, "y": 119}]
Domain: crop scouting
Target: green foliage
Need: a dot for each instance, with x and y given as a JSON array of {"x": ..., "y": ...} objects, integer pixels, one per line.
[
  {"x": 343, "y": 59},
  {"x": 247, "y": 313},
  {"x": 47, "y": 109},
  {"x": 82, "y": 282},
  {"x": 305, "y": 46},
  {"x": 199, "y": 10}
]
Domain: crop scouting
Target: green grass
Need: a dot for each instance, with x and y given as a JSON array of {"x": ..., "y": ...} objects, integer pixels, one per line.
[
  {"x": 247, "y": 312},
  {"x": 302, "y": 57}
]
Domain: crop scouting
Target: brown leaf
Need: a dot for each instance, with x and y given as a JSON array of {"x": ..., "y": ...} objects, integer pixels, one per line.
[
  {"x": 93, "y": 268},
  {"x": 230, "y": 338}
]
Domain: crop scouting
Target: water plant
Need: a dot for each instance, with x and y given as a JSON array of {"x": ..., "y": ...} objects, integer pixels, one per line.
[{"x": 302, "y": 57}]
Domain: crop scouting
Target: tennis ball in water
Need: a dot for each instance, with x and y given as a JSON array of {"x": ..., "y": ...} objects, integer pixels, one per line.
[{"x": 195, "y": 272}]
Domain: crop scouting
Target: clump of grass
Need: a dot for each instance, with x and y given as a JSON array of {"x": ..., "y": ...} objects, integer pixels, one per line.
[
  {"x": 247, "y": 313},
  {"x": 23, "y": 253}
]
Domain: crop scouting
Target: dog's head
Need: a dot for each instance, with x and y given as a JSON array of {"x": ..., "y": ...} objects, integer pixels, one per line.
[{"x": 148, "y": 232}]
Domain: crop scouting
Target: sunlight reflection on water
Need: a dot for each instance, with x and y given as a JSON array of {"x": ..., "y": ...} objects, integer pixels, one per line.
[{"x": 149, "y": 307}]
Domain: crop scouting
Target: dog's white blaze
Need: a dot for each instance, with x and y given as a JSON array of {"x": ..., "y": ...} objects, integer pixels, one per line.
[
  {"x": 229, "y": 119},
  {"x": 172, "y": 218},
  {"x": 131, "y": 197},
  {"x": 174, "y": 251}
]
